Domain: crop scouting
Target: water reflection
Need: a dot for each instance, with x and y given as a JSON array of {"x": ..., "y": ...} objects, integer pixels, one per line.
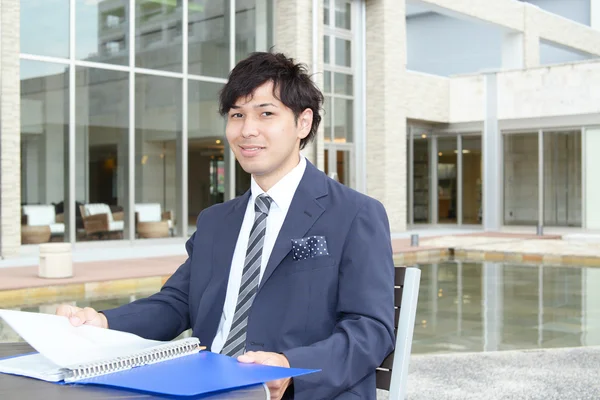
[
  {"x": 466, "y": 307},
  {"x": 495, "y": 306}
]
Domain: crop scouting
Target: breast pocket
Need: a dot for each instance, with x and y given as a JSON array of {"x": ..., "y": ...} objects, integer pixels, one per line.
[{"x": 310, "y": 264}]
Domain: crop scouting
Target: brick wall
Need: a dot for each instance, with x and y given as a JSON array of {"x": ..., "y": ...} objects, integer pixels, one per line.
[
  {"x": 386, "y": 107},
  {"x": 293, "y": 36},
  {"x": 10, "y": 163}
]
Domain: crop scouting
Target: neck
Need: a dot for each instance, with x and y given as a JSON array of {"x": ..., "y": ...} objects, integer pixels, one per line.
[{"x": 267, "y": 181}]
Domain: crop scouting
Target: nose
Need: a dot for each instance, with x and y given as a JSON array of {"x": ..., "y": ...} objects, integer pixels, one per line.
[{"x": 250, "y": 128}]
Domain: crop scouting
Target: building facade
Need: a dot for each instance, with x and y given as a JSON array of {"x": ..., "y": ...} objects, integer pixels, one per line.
[{"x": 449, "y": 112}]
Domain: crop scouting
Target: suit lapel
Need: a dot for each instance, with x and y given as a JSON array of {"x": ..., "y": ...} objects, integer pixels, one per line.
[{"x": 304, "y": 211}]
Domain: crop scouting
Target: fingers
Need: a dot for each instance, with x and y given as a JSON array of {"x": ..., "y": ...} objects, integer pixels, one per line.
[
  {"x": 256, "y": 357},
  {"x": 80, "y": 316},
  {"x": 66, "y": 310}
]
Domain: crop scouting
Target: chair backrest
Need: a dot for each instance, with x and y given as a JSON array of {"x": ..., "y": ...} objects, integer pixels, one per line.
[
  {"x": 97, "y": 208},
  {"x": 148, "y": 212},
  {"x": 39, "y": 214},
  {"x": 392, "y": 375}
]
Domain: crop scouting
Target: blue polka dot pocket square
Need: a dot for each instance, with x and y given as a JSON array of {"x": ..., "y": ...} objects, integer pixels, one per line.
[{"x": 309, "y": 247}]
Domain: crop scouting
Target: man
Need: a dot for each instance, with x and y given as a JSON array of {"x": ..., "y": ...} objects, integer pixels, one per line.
[{"x": 296, "y": 272}]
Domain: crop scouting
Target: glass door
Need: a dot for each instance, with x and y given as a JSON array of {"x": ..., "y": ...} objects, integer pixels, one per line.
[
  {"x": 447, "y": 184},
  {"x": 339, "y": 164},
  {"x": 562, "y": 178}
]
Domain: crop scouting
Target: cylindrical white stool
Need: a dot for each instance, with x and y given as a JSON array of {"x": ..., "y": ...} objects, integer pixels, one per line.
[{"x": 55, "y": 260}]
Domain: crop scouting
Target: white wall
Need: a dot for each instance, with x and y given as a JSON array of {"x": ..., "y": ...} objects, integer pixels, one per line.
[
  {"x": 570, "y": 89},
  {"x": 591, "y": 146},
  {"x": 575, "y": 10},
  {"x": 442, "y": 45},
  {"x": 427, "y": 97},
  {"x": 467, "y": 99}
]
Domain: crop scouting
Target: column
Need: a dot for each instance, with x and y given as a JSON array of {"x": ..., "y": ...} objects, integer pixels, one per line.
[
  {"x": 531, "y": 40},
  {"x": 595, "y": 14},
  {"x": 492, "y": 158},
  {"x": 10, "y": 116},
  {"x": 591, "y": 193},
  {"x": 512, "y": 50},
  {"x": 295, "y": 33},
  {"x": 386, "y": 113}
]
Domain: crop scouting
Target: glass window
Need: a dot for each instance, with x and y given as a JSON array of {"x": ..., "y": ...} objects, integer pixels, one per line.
[
  {"x": 44, "y": 159},
  {"x": 343, "y": 120},
  {"x": 562, "y": 178},
  {"x": 327, "y": 114},
  {"x": 101, "y": 158},
  {"x": 158, "y": 38},
  {"x": 252, "y": 29},
  {"x": 206, "y": 147},
  {"x": 157, "y": 133},
  {"x": 102, "y": 31},
  {"x": 208, "y": 38},
  {"x": 326, "y": 49},
  {"x": 521, "y": 179},
  {"x": 472, "y": 184},
  {"x": 447, "y": 183},
  {"x": 326, "y": 12},
  {"x": 421, "y": 173},
  {"x": 327, "y": 82},
  {"x": 45, "y": 27},
  {"x": 343, "y": 84},
  {"x": 343, "y": 14},
  {"x": 343, "y": 52}
]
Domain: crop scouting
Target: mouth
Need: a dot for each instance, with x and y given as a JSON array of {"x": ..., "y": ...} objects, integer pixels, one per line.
[{"x": 250, "y": 150}]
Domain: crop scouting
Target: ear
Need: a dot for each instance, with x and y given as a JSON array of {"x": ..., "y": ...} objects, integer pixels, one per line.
[{"x": 305, "y": 123}]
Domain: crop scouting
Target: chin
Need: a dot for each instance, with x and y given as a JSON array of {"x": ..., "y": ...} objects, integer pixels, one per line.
[{"x": 252, "y": 168}]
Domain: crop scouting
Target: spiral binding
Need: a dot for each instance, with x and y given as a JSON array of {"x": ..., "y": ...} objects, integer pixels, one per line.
[{"x": 156, "y": 354}]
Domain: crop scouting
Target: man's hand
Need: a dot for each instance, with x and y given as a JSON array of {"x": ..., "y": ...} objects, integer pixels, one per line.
[
  {"x": 82, "y": 316},
  {"x": 278, "y": 387}
]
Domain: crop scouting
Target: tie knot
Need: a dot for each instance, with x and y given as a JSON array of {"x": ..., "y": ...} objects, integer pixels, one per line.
[{"x": 263, "y": 204}]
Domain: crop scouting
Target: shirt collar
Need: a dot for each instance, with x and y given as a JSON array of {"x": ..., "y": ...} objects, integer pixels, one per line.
[{"x": 283, "y": 191}]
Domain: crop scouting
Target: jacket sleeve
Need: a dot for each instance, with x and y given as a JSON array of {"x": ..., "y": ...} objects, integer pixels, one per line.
[
  {"x": 364, "y": 333},
  {"x": 162, "y": 316}
]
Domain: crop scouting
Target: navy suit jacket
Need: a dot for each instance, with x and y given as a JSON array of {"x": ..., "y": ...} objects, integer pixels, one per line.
[{"x": 331, "y": 312}]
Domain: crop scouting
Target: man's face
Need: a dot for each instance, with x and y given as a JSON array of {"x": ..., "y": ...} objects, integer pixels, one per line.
[{"x": 265, "y": 136}]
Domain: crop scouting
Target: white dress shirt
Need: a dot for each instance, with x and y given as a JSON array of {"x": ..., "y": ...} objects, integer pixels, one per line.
[{"x": 282, "y": 194}]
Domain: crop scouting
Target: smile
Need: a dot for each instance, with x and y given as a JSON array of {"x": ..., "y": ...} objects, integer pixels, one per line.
[{"x": 248, "y": 151}]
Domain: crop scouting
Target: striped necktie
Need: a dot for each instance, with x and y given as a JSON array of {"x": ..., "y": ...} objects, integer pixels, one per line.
[{"x": 236, "y": 340}]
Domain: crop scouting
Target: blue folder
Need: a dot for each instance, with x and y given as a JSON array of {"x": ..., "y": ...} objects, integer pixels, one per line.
[{"x": 193, "y": 375}]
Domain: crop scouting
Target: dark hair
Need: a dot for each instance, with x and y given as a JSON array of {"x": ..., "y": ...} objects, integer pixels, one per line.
[{"x": 296, "y": 89}]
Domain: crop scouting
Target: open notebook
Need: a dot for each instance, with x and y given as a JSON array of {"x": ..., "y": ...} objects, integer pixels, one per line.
[{"x": 90, "y": 355}]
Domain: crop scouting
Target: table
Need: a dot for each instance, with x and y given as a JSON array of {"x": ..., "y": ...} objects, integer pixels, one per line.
[{"x": 17, "y": 387}]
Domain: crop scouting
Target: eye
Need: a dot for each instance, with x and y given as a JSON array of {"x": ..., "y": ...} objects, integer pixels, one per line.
[
  {"x": 267, "y": 113},
  {"x": 235, "y": 115}
]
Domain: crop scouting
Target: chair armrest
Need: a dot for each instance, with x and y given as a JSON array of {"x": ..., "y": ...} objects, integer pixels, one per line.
[
  {"x": 24, "y": 219},
  {"x": 96, "y": 223},
  {"x": 166, "y": 215},
  {"x": 60, "y": 218},
  {"x": 119, "y": 216}
]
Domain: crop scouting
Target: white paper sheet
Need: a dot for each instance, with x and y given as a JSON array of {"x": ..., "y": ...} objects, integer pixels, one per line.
[
  {"x": 34, "y": 365},
  {"x": 65, "y": 345}
]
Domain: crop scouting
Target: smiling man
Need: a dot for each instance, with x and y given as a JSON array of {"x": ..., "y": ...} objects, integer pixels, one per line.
[{"x": 296, "y": 272}]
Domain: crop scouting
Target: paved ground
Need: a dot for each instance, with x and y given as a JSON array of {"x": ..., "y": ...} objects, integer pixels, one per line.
[
  {"x": 570, "y": 373},
  {"x": 104, "y": 261}
]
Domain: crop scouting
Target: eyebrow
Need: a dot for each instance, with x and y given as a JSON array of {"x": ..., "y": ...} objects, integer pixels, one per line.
[{"x": 236, "y": 107}]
